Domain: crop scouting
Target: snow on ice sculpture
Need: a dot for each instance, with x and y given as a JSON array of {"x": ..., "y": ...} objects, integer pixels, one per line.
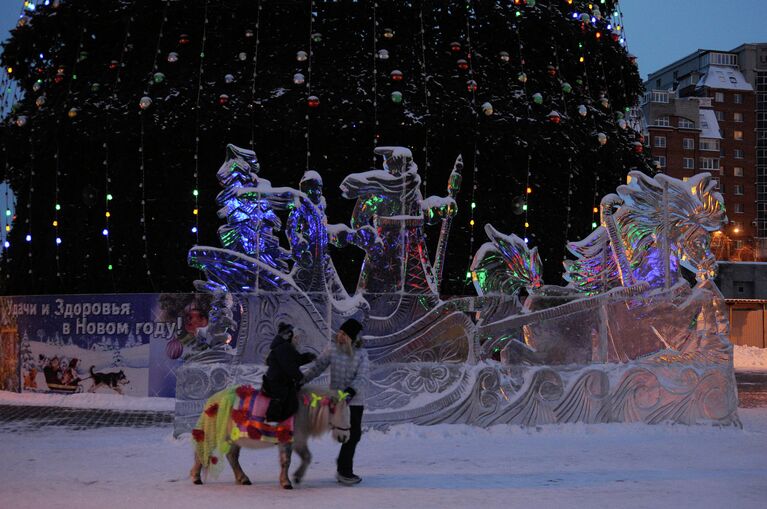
[
  {"x": 659, "y": 223},
  {"x": 251, "y": 256},
  {"x": 627, "y": 340}
]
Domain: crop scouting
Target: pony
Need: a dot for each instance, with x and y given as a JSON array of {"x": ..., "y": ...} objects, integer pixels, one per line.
[{"x": 219, "y": 430}]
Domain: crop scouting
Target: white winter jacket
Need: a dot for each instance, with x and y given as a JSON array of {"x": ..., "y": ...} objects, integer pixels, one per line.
[{"x": 345, "y": 371}]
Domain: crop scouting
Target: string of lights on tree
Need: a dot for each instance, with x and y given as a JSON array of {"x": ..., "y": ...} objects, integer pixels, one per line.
[
  {"x": 297, "y": 78},
  {"x": 157, "y": 78},
  {"x": 425, "y": 85},
  {"x": 471, "y": 86},
  {"x": 117, "y": 67},
  {"x": 72, "y": 115},
  {"x": 312, "y": 101},
  {"x": 8, "y": 212},
  {"x": 537, "y": 98},
  {"x": 31, "y": 192},
  {"x": 564, "y": 90},
  {"x": 382, "y": 54},
  {"x": 222, "y": 99}
]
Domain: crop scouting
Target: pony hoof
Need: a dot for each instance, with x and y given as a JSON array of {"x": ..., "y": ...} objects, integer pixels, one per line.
[
  {"x": 297, "y": 480},
  {"x": 198, "y": 481},
  {"x": 287, "y": 486},
  {"x": 246, "y": 482}
]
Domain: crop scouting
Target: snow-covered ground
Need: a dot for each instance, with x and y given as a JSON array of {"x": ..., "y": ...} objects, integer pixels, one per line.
[
  {"x": 409, "y": 467},
  {"x": 750, "y": 358},
  {"x": 111, "y": 401}
]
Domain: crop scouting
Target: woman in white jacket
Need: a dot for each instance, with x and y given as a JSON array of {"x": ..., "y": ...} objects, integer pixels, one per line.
[{"x": 349, "y": 372}]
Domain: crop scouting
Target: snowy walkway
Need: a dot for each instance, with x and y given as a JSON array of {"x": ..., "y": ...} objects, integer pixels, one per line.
[{"x": 408, "y": 467}]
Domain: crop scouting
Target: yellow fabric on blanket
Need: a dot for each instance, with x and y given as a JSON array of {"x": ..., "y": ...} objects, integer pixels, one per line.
[{"x": 215, "y": 428}]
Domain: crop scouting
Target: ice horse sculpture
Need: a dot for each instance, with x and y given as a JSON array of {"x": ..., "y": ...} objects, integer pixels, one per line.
[{"x": 627, "y": 340}]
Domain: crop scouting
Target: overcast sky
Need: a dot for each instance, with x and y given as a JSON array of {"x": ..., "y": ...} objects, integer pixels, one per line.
[{"x": 658, "y": 31}]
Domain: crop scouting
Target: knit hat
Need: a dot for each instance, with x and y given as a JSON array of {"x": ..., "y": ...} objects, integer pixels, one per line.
[
  {"x": 351, "y": 327},
  {"x": 285, "y": 330}
]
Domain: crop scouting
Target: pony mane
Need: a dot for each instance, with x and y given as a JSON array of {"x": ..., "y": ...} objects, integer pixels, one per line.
[{"x": 317, "y": 416}]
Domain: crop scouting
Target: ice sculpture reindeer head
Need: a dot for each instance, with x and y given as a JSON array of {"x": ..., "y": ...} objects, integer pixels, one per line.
[
  {"x": 656, "y": 219},
  {"x": 505, "y": 265},
  {"x": 649, "y": 228}
]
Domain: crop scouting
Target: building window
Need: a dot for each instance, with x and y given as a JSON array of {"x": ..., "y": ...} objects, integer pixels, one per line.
[
  {"x": 738, "y": 153},
  {"x": 738, "y": 98},
  {"x": 719, "y": 115},
  {"x": 662, "y": 121},
  {"x": 737, "y": 171},
  {"x": 688, "y": 163},
  {"x": 738, "y": 208},
  {"x": 661, "y": 161},
  {"x": 717, "y": 184},
  {"x": 688, "y": 144},
  {"x": 738, "y": 135},
  {"x": 719, "y": 97},
  {"x": 738, "y": 190},
  {"x": 709, "y": 163},
  {"x": 716, "y": 58},
  {"x": 659, "y": 96},
  {"x": 660, "y": 141},
  {"x": 686, "y": 124},
  {"x": 737, "y": 117},
  {"x": 709, "y": 144}
]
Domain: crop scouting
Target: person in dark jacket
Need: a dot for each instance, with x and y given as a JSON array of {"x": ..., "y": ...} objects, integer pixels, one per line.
[{"x": 283, "y": 376}]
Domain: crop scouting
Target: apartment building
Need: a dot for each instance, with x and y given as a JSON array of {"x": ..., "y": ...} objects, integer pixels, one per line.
[{"x": 702, "y": 113}]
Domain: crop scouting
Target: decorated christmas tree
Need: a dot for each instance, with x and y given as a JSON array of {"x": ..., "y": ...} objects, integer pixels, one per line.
[{"x": 129, "y": 105}]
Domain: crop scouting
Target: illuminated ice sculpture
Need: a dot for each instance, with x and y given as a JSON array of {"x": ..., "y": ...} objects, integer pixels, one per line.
[{"x": 627, "y": 340}]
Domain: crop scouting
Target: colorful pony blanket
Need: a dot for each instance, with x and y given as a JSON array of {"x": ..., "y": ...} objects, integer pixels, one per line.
[
  {"x": 244, "y": 408},
  {"x": 248, "y": 414}
]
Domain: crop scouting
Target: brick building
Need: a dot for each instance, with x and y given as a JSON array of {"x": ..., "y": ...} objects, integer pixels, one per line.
[{"x": 700, "y": 114}]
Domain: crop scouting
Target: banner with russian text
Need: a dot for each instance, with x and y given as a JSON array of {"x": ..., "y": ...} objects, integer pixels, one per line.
[{"x": 127, "y": 344}]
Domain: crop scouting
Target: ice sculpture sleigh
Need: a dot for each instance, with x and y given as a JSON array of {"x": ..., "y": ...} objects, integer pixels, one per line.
[{"x": 628, "y": 340}]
